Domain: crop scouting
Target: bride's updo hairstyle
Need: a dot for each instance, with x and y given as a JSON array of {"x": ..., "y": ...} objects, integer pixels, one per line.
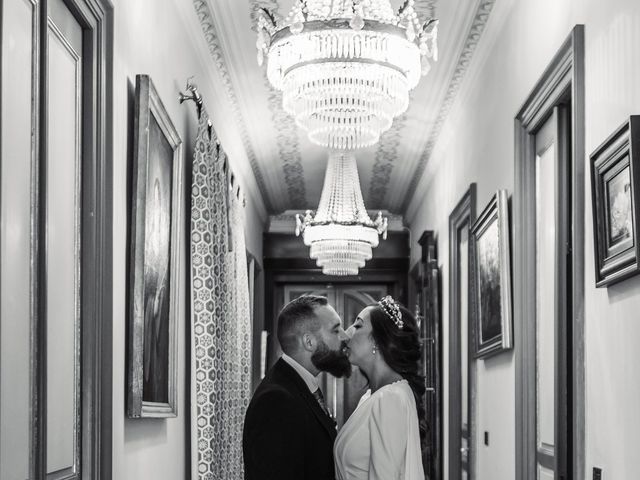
[{"x": 397, "y": 338}]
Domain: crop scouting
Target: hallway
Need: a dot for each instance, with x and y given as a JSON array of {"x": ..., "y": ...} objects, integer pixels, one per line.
[{"x": 174, "y": 172}]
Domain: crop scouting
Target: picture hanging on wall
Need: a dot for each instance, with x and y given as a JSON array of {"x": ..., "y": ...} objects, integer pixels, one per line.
[
  {"x": 615, "y": 180},
  {"x": 156, "y": 215},
  {"x": 492, "y": 276}
]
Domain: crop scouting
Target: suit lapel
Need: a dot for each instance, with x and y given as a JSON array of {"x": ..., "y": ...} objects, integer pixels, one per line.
[{"x": 302, "y": 390}]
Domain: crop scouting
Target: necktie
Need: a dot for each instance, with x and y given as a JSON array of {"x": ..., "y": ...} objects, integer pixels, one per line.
[{"x": 320, "y": 398}]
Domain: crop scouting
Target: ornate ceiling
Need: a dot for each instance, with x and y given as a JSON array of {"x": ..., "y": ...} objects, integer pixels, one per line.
[{"x": 288, "y": 169}]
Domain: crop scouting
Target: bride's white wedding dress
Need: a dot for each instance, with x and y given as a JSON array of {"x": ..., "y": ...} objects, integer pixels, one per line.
[{"x": 381, "y": 439}]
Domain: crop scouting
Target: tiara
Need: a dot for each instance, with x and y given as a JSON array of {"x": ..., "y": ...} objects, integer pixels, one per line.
[{"x": 391, "y": 308}]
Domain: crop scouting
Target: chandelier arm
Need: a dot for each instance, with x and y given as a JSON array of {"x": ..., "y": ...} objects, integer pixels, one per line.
[
  {"x": 367, "y": 61},
  {"x": 270, "y": 17},
  {"x": 339, "y": 24}
]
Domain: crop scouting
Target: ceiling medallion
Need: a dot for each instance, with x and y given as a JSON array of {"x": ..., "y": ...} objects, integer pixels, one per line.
[
  {"x": 341, "y": 234},
  {"x": 346, "y": 67}
]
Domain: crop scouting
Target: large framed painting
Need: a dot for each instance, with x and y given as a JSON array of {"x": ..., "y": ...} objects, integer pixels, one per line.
[
  {"x": 156, "y": 218},
  {"x": 492, "y": 277},
  {"x": 615, "y": 179}
]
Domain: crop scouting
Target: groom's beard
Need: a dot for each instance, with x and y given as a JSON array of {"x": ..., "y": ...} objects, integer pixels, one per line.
[{"x": 335, "y": 362}]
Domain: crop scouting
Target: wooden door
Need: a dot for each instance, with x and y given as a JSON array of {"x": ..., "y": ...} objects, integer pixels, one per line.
[{"x": 350, "y": 300}]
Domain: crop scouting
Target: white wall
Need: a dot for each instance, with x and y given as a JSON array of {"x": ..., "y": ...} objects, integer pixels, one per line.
[
  {"x": 165, "y": 41},
  {"x": 612, "y": 318},
  {"x": 477, "y": 145}
]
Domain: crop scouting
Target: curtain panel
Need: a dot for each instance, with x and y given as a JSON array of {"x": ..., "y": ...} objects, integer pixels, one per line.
[{"x": 221, "y": 343}]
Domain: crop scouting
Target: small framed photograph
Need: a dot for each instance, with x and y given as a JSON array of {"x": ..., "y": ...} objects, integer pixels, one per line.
[
  {"x": 156, "y": 218},
  {"x": 615, "y": 179},
  {"x": 492, "y": 278}
]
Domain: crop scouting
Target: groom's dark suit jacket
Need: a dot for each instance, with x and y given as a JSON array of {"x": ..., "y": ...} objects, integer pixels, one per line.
[{"x": 287, "y": 436}]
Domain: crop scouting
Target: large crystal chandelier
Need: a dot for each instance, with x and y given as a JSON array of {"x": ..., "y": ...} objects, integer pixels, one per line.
[
  {"x": 346, "y": 67},
  {"x": 341, "y": 234}
]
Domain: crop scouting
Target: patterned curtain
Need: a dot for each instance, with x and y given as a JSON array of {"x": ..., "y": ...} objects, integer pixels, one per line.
[{"x": 220, "y": 313}]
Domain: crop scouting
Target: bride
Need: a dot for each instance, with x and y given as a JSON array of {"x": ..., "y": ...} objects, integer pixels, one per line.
[{"x": 381, "y": 439}]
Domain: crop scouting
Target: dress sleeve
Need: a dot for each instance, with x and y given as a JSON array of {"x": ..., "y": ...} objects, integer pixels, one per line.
[{"x": 388, "y": 435}]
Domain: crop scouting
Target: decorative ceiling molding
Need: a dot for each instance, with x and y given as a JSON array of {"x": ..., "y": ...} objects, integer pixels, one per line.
[
  {"x": 475, "y": 33},
  {"x": 425, "y": 8},
  {"x": 386, "y": 155},
  {"x": 287, "y": 139},
  {"x": 289, "y": 151},
  {"x": 387, "y": 152},
  {"x": 209, "y": 31}
]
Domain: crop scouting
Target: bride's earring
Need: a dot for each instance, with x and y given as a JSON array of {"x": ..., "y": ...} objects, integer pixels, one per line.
[{"x": 374, "y": 349}]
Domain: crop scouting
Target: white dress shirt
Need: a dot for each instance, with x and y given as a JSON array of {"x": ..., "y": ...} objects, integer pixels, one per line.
[{"x": 308, "y": 378}]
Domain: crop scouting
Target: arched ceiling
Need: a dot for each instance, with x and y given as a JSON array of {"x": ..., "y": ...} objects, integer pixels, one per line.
[{"x": 289, "y": 170}]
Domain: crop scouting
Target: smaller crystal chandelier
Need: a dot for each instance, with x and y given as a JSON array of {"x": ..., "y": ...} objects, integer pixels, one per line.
[
  {"x": 341, "y": 234},
  {"x": 345, "y": 67}
]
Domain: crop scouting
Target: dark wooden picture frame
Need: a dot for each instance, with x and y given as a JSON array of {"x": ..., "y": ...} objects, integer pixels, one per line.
[
  {"x": 154, "y": 275},
  {"x": 615, "y": 180},
  {"x": 492, "y": 278}
]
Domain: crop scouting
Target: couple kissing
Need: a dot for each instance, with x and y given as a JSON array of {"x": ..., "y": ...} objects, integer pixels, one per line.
[{"x": 288, "y": 432}]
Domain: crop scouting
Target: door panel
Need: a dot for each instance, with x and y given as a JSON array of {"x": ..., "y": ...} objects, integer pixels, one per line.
[
  {"x": 463, "y": 279},
  {"x": 350, "y": 301},
  {"x": 545, "y": 289},
  {"x": 64, "y": 136},
  {"x": 18, "y": 151},
  {"x": 545, "y": 473},
  {"x": 552, "y": 305},
  {"x": 357, "y": 385}
]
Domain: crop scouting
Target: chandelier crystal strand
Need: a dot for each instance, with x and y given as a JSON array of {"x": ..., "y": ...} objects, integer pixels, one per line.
[
  {"x": 341, "y": 234},
  {"x": 346, "y": 67}
]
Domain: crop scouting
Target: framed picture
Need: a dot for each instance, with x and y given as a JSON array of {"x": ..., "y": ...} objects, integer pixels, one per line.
[
  {"x": 155, "y": 245},
  {"x": 492, "y": 278},
  {"x": 615, "y": 179}
]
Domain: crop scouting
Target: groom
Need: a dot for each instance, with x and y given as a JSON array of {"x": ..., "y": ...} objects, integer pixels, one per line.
[{"x": 288, "y": 433}]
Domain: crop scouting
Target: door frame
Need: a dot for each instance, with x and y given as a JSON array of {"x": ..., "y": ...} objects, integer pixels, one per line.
[
  {"x": 431, "y": 337},
  {"x": 563, "y": 79},
  {"x": 96, "y": 19},
  {"x": 463, "y": 213}
]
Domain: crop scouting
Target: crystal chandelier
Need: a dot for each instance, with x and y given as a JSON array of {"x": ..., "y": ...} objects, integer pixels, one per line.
[
  {"x": 341, "y": 234},
  {"x": 346, "y": 67}
]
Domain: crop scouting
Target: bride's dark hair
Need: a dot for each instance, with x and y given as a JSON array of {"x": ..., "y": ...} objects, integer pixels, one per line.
[{"x": 401, "y": 349}]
